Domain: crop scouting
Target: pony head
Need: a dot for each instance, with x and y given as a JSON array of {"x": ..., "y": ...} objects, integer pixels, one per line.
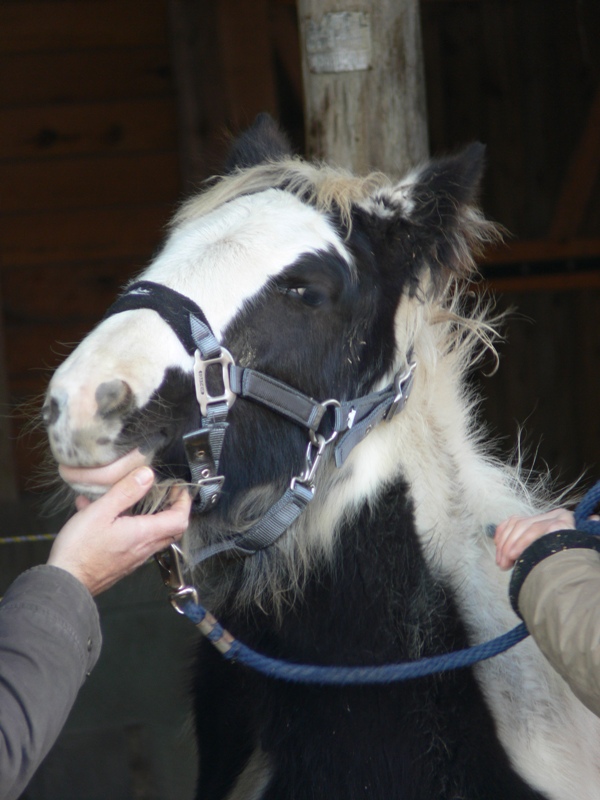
[{"x": 310, "y": 275}]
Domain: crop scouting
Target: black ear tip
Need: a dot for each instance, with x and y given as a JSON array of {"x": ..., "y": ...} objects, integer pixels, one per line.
[
  {"x": 262, "y": 141},
  {"x": 470, "y": 164},
  {"x": 475, "y": 153},
  {"x": 264, "y": 122}
]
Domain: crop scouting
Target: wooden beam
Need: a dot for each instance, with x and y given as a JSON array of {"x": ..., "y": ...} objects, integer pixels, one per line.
[
  {"x": 542, "y": 250},
  {"x": 364, "y": 83},
  {"x": 543, "y": 283},
  {"x": 80, "y": 24},
  {"x": 96, "y": 181},
  {"x": 29, "y": 79},
  {"x": 286, "y": 42},
  {"x": 222, "y": 55},
  {"x": 580, "y": 179},
  {"x": 47, "y": 131}
]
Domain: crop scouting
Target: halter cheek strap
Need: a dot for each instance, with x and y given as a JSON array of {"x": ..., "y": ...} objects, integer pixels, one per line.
[{"x": 188, "y": 322}]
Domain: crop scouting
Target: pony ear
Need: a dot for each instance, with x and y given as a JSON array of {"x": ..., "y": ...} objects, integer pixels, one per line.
[
  {"x": 262, "y": 141},
  {"x": 443, "y": 204},
  {"x": 430, "y": 219},
  {"x": 444, "y": 186}
]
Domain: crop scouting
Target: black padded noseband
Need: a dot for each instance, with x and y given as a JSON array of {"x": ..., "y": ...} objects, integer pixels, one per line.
[{"x": 173, "y": 307}]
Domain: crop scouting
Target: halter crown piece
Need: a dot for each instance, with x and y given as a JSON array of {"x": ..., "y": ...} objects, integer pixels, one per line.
[{"x": 345, "y": 423}]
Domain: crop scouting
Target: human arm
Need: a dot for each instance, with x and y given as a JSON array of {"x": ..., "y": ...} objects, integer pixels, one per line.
[
  {"x": 49, "y": 628},
  {"x": 555, "y": 588}
]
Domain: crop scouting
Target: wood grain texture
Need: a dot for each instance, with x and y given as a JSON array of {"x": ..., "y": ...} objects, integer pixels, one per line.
[{"x": 375, "y": 117}]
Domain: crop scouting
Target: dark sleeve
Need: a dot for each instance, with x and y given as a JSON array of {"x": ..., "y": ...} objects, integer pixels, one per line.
[
  {"x": 543, "y": 548},
  {"x": 49, "y": 642}
]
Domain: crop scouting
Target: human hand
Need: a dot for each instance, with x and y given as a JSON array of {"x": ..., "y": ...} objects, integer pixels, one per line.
[
  {"x": 516, "y": 533},
  {"x": 99, "y": 546}
]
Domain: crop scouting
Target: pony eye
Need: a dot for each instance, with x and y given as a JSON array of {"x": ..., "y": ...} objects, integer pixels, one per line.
[{"x": 309, "y": 295}]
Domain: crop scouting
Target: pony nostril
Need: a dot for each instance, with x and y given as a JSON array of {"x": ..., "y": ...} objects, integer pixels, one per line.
[
  {"x": 114, "y": 397},
  {"x": 51, "y": 411}
]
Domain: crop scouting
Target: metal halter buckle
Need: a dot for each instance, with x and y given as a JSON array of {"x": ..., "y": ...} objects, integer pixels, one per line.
[
  {"x": 201, "y": 367},
  {"x": 314, "y": 454},
  {"x": 317, "y": 438},
  {"x": 170, "y": 562},
  {"x": 402, "y": 386}
]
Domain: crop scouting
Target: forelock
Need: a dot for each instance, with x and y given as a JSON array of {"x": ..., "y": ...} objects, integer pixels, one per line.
[{"x": 328, "y": 189}]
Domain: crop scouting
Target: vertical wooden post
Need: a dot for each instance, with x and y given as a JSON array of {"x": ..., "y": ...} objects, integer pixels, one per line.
[
  {"x": 364, "y": 83},
  {"x": 8, "y": 480}
]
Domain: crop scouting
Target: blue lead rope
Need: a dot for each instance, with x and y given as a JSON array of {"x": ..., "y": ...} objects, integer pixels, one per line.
[
  {"x": 234, "y": 650},
  {"x": 585, "y": 509}
]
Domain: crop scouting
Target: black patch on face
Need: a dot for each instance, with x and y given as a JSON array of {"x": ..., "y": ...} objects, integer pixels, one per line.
[
  {"x": 312, "y": 327},
  {"x": 320, "y": 326},
  {"x": 171, "y": 412}
]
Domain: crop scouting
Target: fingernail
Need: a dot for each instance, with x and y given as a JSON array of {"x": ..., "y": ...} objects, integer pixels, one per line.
[{"x": 144, "y": 476}]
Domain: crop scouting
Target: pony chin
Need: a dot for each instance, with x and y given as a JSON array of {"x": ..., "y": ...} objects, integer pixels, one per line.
[{"x": 93, "y": 482}]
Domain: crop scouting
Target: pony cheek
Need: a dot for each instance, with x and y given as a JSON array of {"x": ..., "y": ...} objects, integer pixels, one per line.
[{"x": 95, "y": 481}]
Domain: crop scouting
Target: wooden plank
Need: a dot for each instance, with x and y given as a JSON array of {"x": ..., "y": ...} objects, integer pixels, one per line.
[
  {"x": 544, "y": 377},
  {"x": 88, "y": 128},
  {"x": 246, "y": 60},
  {"x": 65, "y": 237},
  {"x": 44, "y": 295},
  {"x": 89, "y": 182},
  {"x": 587, "y": 389},
  {"x": 224, "y": 76},
  {"x": 83, "y": 76},
  {"x": 542, "y": 250},
  {"x": 32, "y": 350},
  {"x": 543, "y": 283},
  {"x": 502, "y": 111},
  {"x": 286, "y": 41},
  {"x": 79, "y": 24},
  {"x": 199, "y": 94},
  {"x": 8, "y": 482},
  {"x": 580, "y": 179}
]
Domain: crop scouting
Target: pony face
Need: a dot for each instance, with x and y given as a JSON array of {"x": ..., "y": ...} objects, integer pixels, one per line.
[
  {"x": 300, "y": 271},
  {"x": 129, "y": 382}
]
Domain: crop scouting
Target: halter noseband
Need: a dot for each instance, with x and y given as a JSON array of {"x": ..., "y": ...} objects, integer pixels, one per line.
[{"x": 352, "y": 419}]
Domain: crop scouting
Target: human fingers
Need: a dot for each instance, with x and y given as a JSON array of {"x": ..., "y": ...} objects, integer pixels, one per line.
[
  {"x": 124, "y": 494},
  {"x": 105, "y": 476},
  {"x": 515, "y": 534},
  {"x": 82, "y": 502},
  {"x": 156, "y": 531}
]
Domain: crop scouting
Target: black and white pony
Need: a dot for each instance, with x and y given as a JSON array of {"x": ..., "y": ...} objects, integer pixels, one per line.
[{"x": 333, "y": 284}]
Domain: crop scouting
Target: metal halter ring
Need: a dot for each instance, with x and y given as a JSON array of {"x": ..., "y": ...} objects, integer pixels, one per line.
[{"x": 317, "y": 439}]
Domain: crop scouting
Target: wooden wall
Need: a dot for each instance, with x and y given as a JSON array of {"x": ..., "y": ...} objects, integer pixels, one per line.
[
  {"x": 524, "y": 77},
  {"x": 89, "y": 172}
]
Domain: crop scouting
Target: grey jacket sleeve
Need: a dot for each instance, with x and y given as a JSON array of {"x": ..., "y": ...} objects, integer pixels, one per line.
[
  {"x": 49, "y": 642},
  {"x": 556, "y": 590}
]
